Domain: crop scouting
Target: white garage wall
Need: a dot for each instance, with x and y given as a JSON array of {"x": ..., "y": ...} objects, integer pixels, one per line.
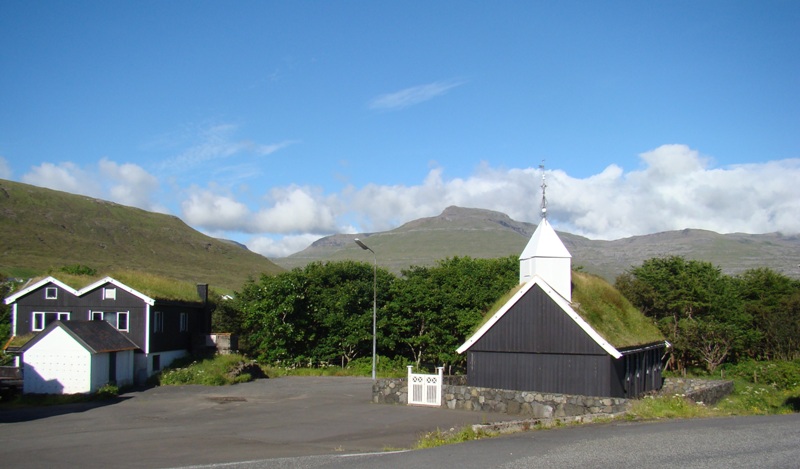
[{"x": 57, "y": 364}]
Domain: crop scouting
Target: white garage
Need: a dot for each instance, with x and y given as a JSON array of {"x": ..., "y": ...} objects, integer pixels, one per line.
[{"x": 71, "y": 357}]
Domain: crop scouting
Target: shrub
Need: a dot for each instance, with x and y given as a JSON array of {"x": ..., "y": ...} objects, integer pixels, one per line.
[
  {"x": 214, "y": 371},
  {"x": 778, "y": 374}
]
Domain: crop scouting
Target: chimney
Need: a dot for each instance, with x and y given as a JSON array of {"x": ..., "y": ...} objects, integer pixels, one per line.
[{"x": 202, "y": 292}]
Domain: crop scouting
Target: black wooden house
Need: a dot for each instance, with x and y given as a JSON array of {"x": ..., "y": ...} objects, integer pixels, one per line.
[
  {"x": 538, "y": 340},
  {"x": 162, "y": 329}
]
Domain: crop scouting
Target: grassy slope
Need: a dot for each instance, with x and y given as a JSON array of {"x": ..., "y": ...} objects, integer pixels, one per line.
[{"x": 43, "y": 230}]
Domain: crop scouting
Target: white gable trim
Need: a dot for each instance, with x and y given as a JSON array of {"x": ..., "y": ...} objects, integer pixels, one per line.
[
  {"x": 560, "y": 301},
  {"x": 119, "y": 285},
  {"x": 81, "y": 292},
  {"x": 38, "y": 285}
]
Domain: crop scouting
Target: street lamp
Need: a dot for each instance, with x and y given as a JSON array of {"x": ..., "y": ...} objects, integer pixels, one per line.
[{"x": 374, "y": 298}]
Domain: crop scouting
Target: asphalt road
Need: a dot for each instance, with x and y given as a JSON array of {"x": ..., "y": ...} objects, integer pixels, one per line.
[
  {"x": 737, "y": 442},
  {"x": 330, "y": 422},
  {"x": 175, "y": 426}
]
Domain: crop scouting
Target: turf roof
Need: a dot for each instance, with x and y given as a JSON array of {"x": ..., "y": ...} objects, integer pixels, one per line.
[
  {"x": 154, "y": 286},
  {"x": 604, "y": 308}
]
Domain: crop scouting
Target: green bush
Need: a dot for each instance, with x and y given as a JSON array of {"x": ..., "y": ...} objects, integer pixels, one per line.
[
  {"x": 385, "y": 366},
  {"x": 778, "y": 374},
  {"x": 214, "y": 371}
]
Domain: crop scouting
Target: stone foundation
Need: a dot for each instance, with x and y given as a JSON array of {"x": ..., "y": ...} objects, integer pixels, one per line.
[
  {"x": 538, "y": 405},
  {"x": 703, "y": 391},
  {"x": 529, "y": 404}
]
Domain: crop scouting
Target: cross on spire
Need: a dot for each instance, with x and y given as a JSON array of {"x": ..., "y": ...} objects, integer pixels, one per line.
[{"x": 544, "y": 198}]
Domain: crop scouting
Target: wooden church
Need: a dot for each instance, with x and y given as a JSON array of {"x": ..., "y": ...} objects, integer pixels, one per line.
[{"x": 540, "y": 340}]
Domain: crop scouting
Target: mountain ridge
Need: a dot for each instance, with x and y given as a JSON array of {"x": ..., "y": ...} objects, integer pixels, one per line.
[{"x": 459, "y": 231}]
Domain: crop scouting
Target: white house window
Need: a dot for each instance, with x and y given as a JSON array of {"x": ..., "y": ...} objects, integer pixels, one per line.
[
  {"x": 51, "y": 293},
  {"x": 118, "y": 320},
  {"x": 122, "y": 321},
  {"x": 184, "y": 322},
  {"x": 38, "y": 321},
  {"x": 109, "y": 293},
  {"x": 41, "y": 319},
  {"x": 158, "y": 321}
]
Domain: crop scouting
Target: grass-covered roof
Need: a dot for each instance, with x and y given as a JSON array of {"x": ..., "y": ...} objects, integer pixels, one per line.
[
  {"x": 604, "y": 308},
  {"x": 154, "y": 286},
  {"x": 610, "y": 313}
]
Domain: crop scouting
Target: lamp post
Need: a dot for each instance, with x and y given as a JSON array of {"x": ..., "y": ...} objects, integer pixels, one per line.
[{"x": 374, "y": 298}]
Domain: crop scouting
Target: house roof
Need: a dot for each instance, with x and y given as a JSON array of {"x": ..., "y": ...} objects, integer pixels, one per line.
[
  {"x": 12, "y": 298},
  {"x": 94, "y": 336},
  {"x": 545, "y": 243},
  {"x": 82, "y": 291},
  {"x": 559, "y": 300},
  {"x": 597, "y": 307}
]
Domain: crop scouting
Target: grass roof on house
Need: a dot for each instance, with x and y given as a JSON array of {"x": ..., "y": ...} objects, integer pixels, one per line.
[
  {"x": 154, "y": 286},
  {"x": 610, "y": 313},
  {"x": 604, "y": 308}
]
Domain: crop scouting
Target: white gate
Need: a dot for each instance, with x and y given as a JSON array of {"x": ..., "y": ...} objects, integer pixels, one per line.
[{"x": 425, "y": 389}]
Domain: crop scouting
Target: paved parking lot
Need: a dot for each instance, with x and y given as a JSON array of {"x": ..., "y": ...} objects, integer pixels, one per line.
[{"x": 176, "y": 426}]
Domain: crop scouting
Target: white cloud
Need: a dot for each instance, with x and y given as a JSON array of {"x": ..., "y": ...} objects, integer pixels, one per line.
[
  {"x": 675, "y": 188},
  {"x": 411, "y": 96},
  {"x": 126, "y": 184},
  {"x": 67, "y": 177},
  {"x": 297, "y": 209},
  {"x": 211, "y": 211},
  {"x": 5, "y": 169},
  {"x": 280, "y": 247},
  {"x": 130, "y": 185}
]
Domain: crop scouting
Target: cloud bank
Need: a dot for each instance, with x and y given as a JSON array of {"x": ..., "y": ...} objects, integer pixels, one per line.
[{"x": 676, "y": 187}]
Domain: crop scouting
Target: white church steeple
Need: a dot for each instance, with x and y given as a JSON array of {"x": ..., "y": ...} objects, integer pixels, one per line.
[{"x": 546, "y": 256}]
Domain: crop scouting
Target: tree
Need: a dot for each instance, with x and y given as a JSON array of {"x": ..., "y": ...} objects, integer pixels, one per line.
[
  {"x": 689, "y": 299},
  {"x": 435, "y": 308},
  {"x": 771, "y": 299},
  {"x": 276, "y": 323}
]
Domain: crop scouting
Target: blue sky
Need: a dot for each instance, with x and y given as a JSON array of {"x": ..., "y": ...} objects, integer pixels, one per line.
[{"x": 277, "y": 123}]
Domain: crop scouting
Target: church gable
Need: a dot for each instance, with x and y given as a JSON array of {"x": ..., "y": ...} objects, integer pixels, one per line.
[{"x": 537, "y": 324}]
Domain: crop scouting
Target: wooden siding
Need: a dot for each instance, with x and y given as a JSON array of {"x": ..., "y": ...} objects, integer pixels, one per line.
[
  {"x": 536, "y": 324},
  {"x": 638, "y": 372},
  {"x": 81, "y": 307},
  {"x": 557, "y": 373}
]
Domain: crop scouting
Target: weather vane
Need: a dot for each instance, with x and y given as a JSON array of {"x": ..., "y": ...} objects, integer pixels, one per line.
[{"x": 544, "y": 187}]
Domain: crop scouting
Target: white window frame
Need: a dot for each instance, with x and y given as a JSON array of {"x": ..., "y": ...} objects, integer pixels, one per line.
[
  {"x": 158, "y": 321},
  {"x": 51, "y": 293},
  {"x": 109, "y": 293},
  {"x": 59, "y": 316},
  {"x": 43, "y": 316},
  {"x": 127, "y": 321},
  {"x": 101, "y": 316},
  {"x": 184, "y": 322}
]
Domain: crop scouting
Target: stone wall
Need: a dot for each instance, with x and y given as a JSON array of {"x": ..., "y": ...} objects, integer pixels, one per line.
[
  {"x": 524, "y": 403},
  {"x": 703, "y": 391}
]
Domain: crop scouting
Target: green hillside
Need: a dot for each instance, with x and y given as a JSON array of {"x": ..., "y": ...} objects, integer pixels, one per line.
[{"x": 42, "y": 230}]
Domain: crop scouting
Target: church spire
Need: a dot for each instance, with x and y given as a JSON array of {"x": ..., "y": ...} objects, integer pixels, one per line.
[{"x": 545, "y": 256}]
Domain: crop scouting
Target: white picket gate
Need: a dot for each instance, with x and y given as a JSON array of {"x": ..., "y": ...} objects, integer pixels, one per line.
[{"x": 425, "y": 389}]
